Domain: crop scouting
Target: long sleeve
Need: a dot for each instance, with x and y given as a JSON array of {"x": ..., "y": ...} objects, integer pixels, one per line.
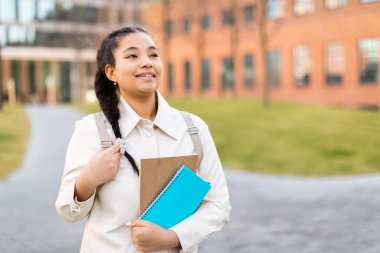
[
  {"x": 215, "y": 209},
  {"x": 78, "y": 155}
]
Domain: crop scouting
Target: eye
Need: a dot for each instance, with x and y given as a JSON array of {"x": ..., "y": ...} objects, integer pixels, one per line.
[
  {"x": 131, "y": 56},
  {"x": 154, "y": 55}
]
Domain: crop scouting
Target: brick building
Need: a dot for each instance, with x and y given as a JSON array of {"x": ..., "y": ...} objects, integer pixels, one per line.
[{"x": 306, "y": 51}]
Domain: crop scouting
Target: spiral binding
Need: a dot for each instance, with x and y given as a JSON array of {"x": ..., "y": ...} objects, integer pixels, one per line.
[{"x": 171, "y": 181}]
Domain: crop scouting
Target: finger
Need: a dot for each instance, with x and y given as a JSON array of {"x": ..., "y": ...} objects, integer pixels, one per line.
[
  {"x": 137, "y": 223},
  {"x": 114, "y": 149}
]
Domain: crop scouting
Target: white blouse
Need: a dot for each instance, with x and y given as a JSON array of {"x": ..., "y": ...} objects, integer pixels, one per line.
[{"x": 117, "y": 202}]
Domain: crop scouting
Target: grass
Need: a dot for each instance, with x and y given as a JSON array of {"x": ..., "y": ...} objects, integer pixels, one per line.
[
  {"x": 287, "y": 138},
  {"x": 14, "y": 137}
]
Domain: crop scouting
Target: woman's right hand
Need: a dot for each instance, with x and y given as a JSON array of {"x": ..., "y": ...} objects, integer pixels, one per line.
[{"x": 102, "y": 168}]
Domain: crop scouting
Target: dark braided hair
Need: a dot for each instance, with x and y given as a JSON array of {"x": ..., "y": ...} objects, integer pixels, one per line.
[{"x": 106, "y": 91}]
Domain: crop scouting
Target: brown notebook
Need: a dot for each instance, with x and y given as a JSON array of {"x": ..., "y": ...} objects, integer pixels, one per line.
[{"x": 155, "y": 173}]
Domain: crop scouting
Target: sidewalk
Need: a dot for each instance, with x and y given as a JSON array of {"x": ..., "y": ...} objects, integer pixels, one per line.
[{"x": 270, "y": 214}]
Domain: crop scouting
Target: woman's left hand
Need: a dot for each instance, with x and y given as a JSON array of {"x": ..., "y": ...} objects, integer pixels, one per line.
[{"x": 148, "y": 237}]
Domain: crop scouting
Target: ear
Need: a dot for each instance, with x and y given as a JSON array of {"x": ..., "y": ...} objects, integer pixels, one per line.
[{"x": 109, "y": 71}]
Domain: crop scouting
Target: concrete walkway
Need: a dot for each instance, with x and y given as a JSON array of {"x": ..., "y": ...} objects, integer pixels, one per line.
[{"x": 270, "y": 214}]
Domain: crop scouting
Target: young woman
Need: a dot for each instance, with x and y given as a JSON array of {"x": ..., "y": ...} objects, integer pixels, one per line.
[{"x": 128, "y": 75}]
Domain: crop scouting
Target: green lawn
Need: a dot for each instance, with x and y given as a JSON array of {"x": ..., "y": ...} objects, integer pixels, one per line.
[
  {"x": 289, "y": 139},
  {"x": 14, "y": 137}
]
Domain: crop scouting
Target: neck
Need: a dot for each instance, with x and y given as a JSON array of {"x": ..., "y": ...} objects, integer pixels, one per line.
[{"x": 145, "y": 107}]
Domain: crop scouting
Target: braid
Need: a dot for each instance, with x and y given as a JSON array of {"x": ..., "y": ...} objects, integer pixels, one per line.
[{"x": 105, "y": 90}]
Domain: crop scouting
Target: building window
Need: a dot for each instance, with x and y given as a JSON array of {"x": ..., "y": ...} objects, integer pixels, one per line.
[
  {"x": 90, "y": 14},
  {"x": 186, "y": 25},
  {"x": 8, "y": 10},
  {"x": 368, "y": 1},
  {"x": 205, "y": 74},
  {"x": 301, "y": 7},
  {"x": 228, "y": 73},
  {"x": 3, "y": 36},
  {"x": 249, "y": 13},
  {"x": 32, "y": 77},
  {"x": 187, "y": 75},
  {"x": 369, "y": 60},
  {"x": 273, "y": 68},
  {"x": 332, "y": 4},
  {"x": 64, "y": 81},
  {"x": 205, "y": 22},
  {"x": 16, "y": 74},
  {"x": 228, "y": 18},
  {"x": 301, "y": 65},
  {"x": 334, "y": 63},
  {"x": 46, "y": 10},
  {"x": 170, "y": 77},
  {"x": 249, "y": 70},
  {"x": 26, "y": 10},
  {"x": 19, "y": 35},
  {"x": 64, "y": 10},
  {"x": 169, "y": 28},
  {"x": 275, "y": 9}
]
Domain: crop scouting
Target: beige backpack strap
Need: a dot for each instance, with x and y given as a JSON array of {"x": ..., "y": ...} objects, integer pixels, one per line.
[
  {"x": 194, "y": 134},
  {"x": 105, "y": 139}
]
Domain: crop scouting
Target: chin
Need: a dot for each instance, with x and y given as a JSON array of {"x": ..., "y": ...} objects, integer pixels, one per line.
[{"x": 149, "y": 88}]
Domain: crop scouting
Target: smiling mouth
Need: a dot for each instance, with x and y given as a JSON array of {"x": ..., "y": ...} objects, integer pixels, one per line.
[{"x": 146, "y": 75}]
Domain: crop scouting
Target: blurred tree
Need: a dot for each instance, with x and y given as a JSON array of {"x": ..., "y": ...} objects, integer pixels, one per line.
[
  {"x": 1, "y": 74},
  {"x": 167, "y": 28},
  {"x": 262, "y": 28},
  {"x": 1, "y": 79}
]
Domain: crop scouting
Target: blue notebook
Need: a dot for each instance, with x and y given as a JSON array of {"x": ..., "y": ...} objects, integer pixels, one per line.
[{"x": 178, "y": 200}]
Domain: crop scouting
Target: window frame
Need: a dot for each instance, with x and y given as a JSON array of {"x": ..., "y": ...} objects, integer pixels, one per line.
[
  {"x": 306, "y": 80},
  {"x": 359, "y": 62},
  {"x": 332, "y": 59}
]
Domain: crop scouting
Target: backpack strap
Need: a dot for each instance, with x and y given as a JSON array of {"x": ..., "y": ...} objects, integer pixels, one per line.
[
  {"x": 105, "y": 139},
  {"x": 194, "y": 134}
]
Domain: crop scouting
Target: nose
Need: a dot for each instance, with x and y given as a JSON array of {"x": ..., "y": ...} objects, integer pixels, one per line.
[{"x": 146, "y": 62}]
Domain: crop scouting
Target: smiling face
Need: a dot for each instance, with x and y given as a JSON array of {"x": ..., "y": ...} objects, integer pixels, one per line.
[{"x": 138, "y": 67}]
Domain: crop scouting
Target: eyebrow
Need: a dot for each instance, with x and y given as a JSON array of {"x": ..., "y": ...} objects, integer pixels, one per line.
[{"x": 135, "y": 48}]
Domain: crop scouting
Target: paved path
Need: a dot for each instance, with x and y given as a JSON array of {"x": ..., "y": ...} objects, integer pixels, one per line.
[{"x": 270, "y": 214}]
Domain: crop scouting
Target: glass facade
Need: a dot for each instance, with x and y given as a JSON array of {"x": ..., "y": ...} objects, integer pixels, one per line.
[
  {"x": 58, "y": 29},
  {"x": 8, "y": 11},
  {"x": 49, "y": 23}
]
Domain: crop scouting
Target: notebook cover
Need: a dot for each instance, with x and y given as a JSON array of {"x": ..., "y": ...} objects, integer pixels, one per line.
[
  {"x": 179, "y": 199},
  {"x": 155, "y": 173}
]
